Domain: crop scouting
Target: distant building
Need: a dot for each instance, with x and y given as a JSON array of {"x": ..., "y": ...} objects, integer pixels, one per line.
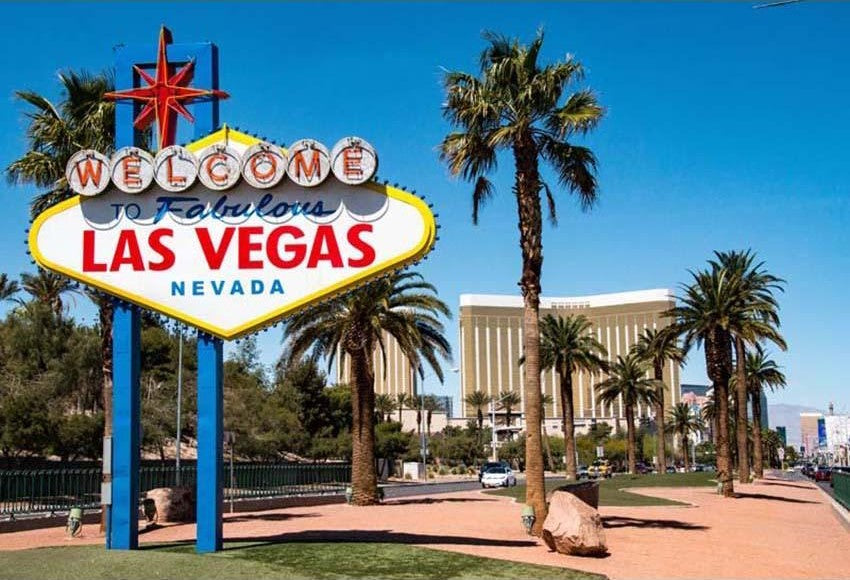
[
  {"x": 809, "y": 432},
  {"x": 698, "y": 390}
]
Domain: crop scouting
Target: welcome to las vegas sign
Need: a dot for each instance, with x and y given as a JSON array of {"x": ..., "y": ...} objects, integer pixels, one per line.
[{"x": 230, "y": 234}]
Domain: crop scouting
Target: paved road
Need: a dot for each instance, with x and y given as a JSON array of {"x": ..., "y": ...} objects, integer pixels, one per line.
[{"x": 409, "y": 489}]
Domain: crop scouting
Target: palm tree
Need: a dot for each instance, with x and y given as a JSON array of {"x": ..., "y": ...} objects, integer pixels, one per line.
[
  {"x": 756, "y": 319},
  {"x": 656, "y": 347},
  {"x": 546, "y": 399},
  {"x": 509, "y": 400},
  {"x": 48, "y": 288},
  {"x": 568, "y": 345},
  {"x": 516, "y": 104},
  {"x": 8, "y": 288},
  {"x": 401, "y": 401},
  {"x": 430, "y": 403},
  {"x": 627, "y": 380},
  {"x": 761, "y": 372},
  {"x": 384, "y": 405},
  {"x": 683, "y": 422},
  {"x": 81, "y": 120},
  {"x": 400, "y": 304},
  {"x": 478, "y": 400},
  {"x": 702, "y": 317}
]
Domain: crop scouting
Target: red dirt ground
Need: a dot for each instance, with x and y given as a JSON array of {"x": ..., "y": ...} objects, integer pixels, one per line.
[{"x": 775, "y": 529}]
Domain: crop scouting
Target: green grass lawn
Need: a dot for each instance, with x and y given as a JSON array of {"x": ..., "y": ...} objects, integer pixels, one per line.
[
  {"x": 293, "y": 561},
  {"x": 611, "y": 493}
]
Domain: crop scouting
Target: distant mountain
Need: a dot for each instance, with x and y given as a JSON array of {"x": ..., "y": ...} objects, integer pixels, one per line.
[{"x": 789, "y": 417}]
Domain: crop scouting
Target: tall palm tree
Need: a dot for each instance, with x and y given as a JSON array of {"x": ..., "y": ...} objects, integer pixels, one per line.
[
  {"x": 48, "y": 288},
  {"x": 627, "y": 379},
  {"x": 81, "y": 120},
  {"x": 702, "y": 317},
  {"x": 567, "y": 345},
  {"x": 546, "y": 399},
  {"x": 430, "y": 403},
  {"x": 762, "y": 372},
  {"x": 478, "y": 400},
  {"x": 8, "y": 288},
  {"x": 516, "y": 104},
  {"x": 384, "y": 405},
  {"x": 402, "y": 400},
  {"x": 657, "y": 347},
  {"x": 508, "y": 401},
  {"x": 684, "y": 422},
  {"x": 756, "y": 319},
  {"x": 400, "y": 304}
]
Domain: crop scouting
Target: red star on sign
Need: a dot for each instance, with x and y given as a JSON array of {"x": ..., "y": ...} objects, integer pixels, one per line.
[{"x": 164, "y": 96}]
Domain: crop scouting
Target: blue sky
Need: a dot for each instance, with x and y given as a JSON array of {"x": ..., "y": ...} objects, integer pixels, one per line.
[{"x": 725, "y": 128}]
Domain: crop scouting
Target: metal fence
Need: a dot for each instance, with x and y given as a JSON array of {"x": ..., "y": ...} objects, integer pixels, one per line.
[
  {"x": 841, "y": 487},
  {"x": 51, "y": 490}
]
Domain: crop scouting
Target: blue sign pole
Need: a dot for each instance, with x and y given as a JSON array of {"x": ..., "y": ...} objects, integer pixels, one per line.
[
  {"x": 123, "y": 520},
  {"x": 210, "y": 434}
]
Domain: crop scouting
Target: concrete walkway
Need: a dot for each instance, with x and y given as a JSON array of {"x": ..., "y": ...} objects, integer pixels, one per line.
[{"x": 775, "y": 529}]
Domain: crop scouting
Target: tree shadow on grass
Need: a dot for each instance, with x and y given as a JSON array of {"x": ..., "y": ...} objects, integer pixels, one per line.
[
  {"x": 431, "y": 500},
  {"x": 626, "y": 522},
  {"x": 744, "y": 495}
]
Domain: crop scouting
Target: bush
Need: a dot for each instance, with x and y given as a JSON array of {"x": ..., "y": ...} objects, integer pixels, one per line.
[
  {"x": 408, "y": 476},
  {"x": 444, "y": 470}
]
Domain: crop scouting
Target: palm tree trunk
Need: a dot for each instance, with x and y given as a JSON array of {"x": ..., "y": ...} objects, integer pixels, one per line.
[
  {"x": 480, "y": 419},
  {"x": 718, "y": 364},
  {"x": 741, "y": 411},
  {"x": 661, "y": 445},
  {"x": 685, "y": 450},
  {"x": 569, "y": 423},
  {"x": 105, "y": 319},
  {"x": 758, "y": 458},
  {"x": 400, "y": 409},
  {"x": 527, "y": 189},
  {"x": 364, "y": 479},
  {"x": 630, "y": 432}
]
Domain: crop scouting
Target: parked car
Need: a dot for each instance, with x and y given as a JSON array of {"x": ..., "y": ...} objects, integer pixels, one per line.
[
  {"x": 671, "y": 469},
  {"x": 643, "y": 468},
  {"x": 808, "y": 470},
  {"x": 498, "y": 477},
  {"x": 822, "y": 473},
  {"x": 600, "y": 468},
  {"x": 490, "y": 465},
  {"x": 582, "y": 472}
]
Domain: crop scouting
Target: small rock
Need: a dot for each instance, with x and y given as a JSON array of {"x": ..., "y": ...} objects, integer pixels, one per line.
[
  {"x": 173, "y": 504},
  {"x": 572, "y": 527}
]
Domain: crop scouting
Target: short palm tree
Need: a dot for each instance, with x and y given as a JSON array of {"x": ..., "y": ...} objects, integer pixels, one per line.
[
  {"x": 48, "y": 288},
  {"x": 508, "y": 401},
  {"x": 756, "y": 320},
  {"x": 657, "y": 348},
  {"x": 430, "y": 403},
  {"x": 567, "y": 345},
  {"x": 762, "y": 372},
  {"x": 401, "y": 401},
  {"x": 8, "y": 288},
  {"x": 702, "y": 316},
  {"x": 684, "y": 422},
  {"x": 478, "y": 400},
  {"x": 400, "y": 304},
  {"x": 384, "y": 406},
  {"x": 519, "y": 105},
  {"x": 627, "y": 379}
]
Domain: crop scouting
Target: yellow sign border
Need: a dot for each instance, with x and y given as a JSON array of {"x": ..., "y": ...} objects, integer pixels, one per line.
[{"x": 422, "y": 248}]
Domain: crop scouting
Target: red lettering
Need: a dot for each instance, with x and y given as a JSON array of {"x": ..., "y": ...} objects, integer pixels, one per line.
[
  {"x": 314, "y": 168},
  {"x": 216, "y": 161},
  {"x": 246, "y": 246},
  {"x": 351, "y": 158},
  {"x": 175, "y": 180},
  {"x": 367, "y": 252},
  {"x": 90, "y": 171},
  {"x": 298, "y": 250},
  {"x": 89, "y": 265},
  {"x": 131, "y": 164},
  {"x": 157, "y": 245},
  {"x": 127, "y": 252},
  {"x": 325, "y": 236},
  {"x": 258, "y": 160},
  {"x": 214, "y": 256}
]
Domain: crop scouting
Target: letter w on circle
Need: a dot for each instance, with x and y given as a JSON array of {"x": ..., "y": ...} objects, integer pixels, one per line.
[{"x": 90, "y": 170}]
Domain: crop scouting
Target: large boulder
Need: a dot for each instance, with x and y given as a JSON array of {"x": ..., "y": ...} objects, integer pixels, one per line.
[
  {"x": 173, "y": 504},
  {"x": 573, "y": 527}
]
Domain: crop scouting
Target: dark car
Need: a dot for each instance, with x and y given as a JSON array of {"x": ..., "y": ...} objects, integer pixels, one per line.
[
  {"x": 643, "y": 468},
  {"x": 490, "y": 465},
  {"x": 808, "y": 470},
  {"x": 822, "y": 473}
]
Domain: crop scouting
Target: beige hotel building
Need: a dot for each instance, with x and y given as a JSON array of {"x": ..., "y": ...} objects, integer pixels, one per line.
[{"x": 491, "y": 339}]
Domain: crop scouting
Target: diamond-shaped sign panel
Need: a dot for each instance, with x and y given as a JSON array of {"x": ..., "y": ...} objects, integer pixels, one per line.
[{"x": 232, "y": 261}]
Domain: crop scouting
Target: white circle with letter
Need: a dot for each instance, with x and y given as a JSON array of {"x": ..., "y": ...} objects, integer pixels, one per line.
[
  {"x": 132, "y": 169},
  {"x": 219, "y": 167},
  {"x": 309, "y": 163},
  {"x": 87, "y": 172},
  {"x": 175, "y": 169},
  {"x": 263, "y": 165},
  {"x": 353, "y": 160}
]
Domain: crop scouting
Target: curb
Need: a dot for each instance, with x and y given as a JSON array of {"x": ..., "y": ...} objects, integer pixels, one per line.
[{"x": 840, "y": 511}]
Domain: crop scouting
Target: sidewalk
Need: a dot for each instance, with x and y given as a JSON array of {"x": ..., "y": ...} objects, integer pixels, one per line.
[{"x": 774, "y": 529}]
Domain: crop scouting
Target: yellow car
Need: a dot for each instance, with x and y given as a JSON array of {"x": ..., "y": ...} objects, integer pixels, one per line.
[{"x": 600, "y": 468}]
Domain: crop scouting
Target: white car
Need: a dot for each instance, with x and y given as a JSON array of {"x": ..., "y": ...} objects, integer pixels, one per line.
[{"x": 498, "y": 477}]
